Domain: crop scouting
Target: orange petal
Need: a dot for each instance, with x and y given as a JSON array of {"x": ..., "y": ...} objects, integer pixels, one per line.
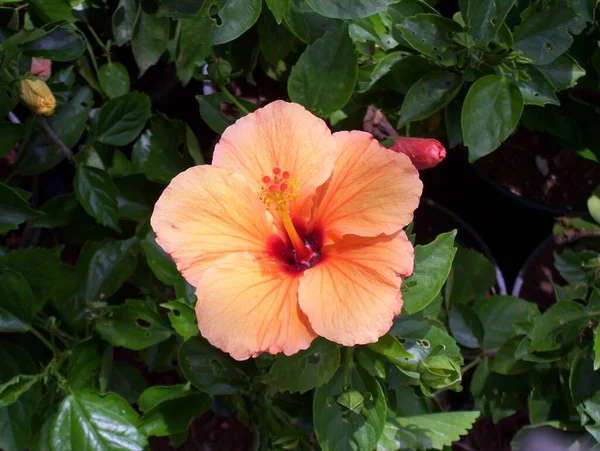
[
  {"x": 352, "y": 296},
  {"x": 206, "y": 213},
  {"x": 246, "y": 307},
  {"x": 282, "y": 135},
  {"x": 373, "y": 190}
]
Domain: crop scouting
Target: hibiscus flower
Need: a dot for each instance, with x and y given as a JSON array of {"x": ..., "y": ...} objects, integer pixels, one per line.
[{"x": 293, "y": 232}]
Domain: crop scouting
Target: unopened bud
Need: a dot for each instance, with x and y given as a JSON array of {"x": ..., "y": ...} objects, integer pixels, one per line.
[
  {"x": 424, "y": 153},
  {"x": 219, "y": 71},
  {"x": 37, "y": 96}
]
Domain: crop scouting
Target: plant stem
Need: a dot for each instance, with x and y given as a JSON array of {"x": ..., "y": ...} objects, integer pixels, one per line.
[
  {"x": 348, "y": 358},
  {"x": 43, "y": 339},
  {"x": 55, "y": 139},
  {"x": 470, "y": 365},
  {"x": 233, "y": 99},
  {"x": 98, "y": 40}
]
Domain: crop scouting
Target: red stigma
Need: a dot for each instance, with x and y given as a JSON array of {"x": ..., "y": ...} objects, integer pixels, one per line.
[
  {"x": 273, "y": 188},
  {"x": 283, "y": 186},
  {"x": 266, "y": 179},
  {"x": 286, "y": 175},
  {"x": 276, "y": 171}
]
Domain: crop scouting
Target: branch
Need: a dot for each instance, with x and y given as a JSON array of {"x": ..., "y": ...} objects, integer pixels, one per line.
[{"x": 55, "y": 139}]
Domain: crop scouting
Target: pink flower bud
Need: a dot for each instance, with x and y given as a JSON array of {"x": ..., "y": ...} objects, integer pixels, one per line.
[{"x": 424, "y": 153}]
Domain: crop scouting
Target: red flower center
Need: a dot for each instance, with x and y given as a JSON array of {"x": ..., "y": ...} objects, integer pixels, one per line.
[{"x": 284, "y": 251}]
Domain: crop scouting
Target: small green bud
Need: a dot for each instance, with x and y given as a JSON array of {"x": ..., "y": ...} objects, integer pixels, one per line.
[{"x": 219, "y": 71}]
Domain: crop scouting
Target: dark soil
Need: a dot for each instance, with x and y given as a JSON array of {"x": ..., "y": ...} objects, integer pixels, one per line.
[{"x": 534, "y": 167}]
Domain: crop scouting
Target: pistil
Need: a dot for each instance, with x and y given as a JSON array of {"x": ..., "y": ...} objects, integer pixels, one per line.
[{"x": 303, "y": 252}]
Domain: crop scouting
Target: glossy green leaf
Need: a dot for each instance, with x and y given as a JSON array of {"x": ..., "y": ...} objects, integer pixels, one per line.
[
  {"x": 18, "y": 305},
  {"x": 278, "y": 8},
  {"x": 11, "y": 134},
  {"x": 62, "y": 44},
  {"x": 506, "y": 361},
  {"x": 183, "y": 318},
  {"x": 16, "y": 418},
  {"x": 113, "y": 79},
  {"x": 83, "y": 367},
  {"x": 490, "y": 113},
  {"x": 431, "y": 93},
  {"x": 14, "y": 210},
  {"x": 237, "y": 16},
  {"x": 123, "y": 21},
  {"x": 431, "y": 35},
  {"x": 11, "y": 391},
  {"x": 584, "y": 384},
  {"x": 97, "y": 193},
  {"x": 194, "y": 46},
  {"x": 211, "y": 113},
  {"x": 121, "y": 120},
  {"x": 179, "y": 9},
  {"x": 472, "y": 276},
  {"x": 432, "y": 266},
  {"x": 544, "y": 35},
  {"x": 536, "y": 89},
  {"x": 563, "y": 72},
  {"x": 389, "y": 347},
  {"x": 157, "y": 394},
  {"x": 485, "y": 18},
  {"x": 209, "y": 369},
  {"x": 159, "y": 261},
  {"x": 68, "y": 122},
  {"x": 560, "y": 324},
  {"x": 323, "y": 79},
  {"x": 369, "y": 75},
  {"x": 306, "y": 369},
  {"x": 149, "y": 40},
  {"x": 465, "y": 326},
  {"x": 175, "y": 415},
  {"x": 157, "y": 151},
  {"x": 349, "y": 9},
  {"x": 571, "y": 264},
  {"x": 431, "y": 431},
  {"x": 339, "y": 427},
  {"x": 127, "y": 381},
  {"x": 276, "y": 41},
  {"x": 501, "y": 315},
  {"x": 306, "y": 24},
  {"x": 52, "y": 10},
  {"x": 89, "y": 421},
  {"x": 58, "y": 212},
  {"x": 133, "y": 325}
]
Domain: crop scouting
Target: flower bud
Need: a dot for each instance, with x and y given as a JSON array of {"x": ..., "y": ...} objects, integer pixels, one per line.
[
  {"x": 219, "y": 71},
  {"x": 439, "y": 372},
  {"x": 37, "y": 96},
  {"x": 424, "y": 153}
]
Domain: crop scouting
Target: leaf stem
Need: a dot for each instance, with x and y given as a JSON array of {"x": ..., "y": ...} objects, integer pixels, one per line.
[
  {"x": 233, "y": 99},
  {"x": 55, "y": 139},
  {"x": 43, "y": 339},
  {"x": 470, "y": 365},
  {"x": 348, "y": 358}
]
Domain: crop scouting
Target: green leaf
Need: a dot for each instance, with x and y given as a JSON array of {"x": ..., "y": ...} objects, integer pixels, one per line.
[
  {"x": 596, "y": 349},
  {"x": 61, "y": 44},
  {"x": 58, "y": 212},
  {"x": 544, "y": 35},
  {"x": 133, "y": 325},
  {"x": 157, "y": 394},
  {"x": 84, "y": 365},
  {"x": 175, "y": 415},
  {"x": 14, "y": 210},
  {"x": 159, "y": 261},
  {"x": 465, "y": 326},
  {"x": 563, "y": 72},
  {"x": 194, "y": 46},
  {"x": 406, "y": 73},
  {"x": 52, "y": 10},
  {"x": 209, "y": 369},
  {"x": 349, "y": 9},
  {"x": 68, "y": 122},
  {"x": 97, "y": 194},
  {"x": 389, "y": 347},
  {"x": 306, "y": 24},
  {"x": 134, "y": 197},
  {"x": 536, "y": 89},
  {"x": 584, "y": 384},
  {"x": 560, "y": 324},
  {"x": 123, "y": 21},
  {"x": 12, "y": 390},
  {"x": 183, "y": 318},
  {"x": 500, "y": 315},
  {"x": 306, "y": 369},
  {"x": 114, "y": 79},
  {"x": 278, "y": 8},
  {"x": 472, "y": 276},
  {"x": 156, "y": 152},
  {"x": 11, "y": 134},
  {"x": 89, "y": 421},
  {"x": 431, "y": 35},
  {"x": 179, "y": 9},
  {"x": 19, "y": 304},
  {"x": 485, "y": 18},
  {"x": 210, "y": 110},
  {"x": 506, "y": 361},
  {"x": 16, "y": 418},
  {"x": 432, "y": 266},
  {"x": 126, "y": 381},
  {"x": 376, "y": 72},
  {"x": 570, "y": 264},
  {"x": 150, "y": 39},
  {"x": 276, "y": 41},
  {"x": 431, "y": 93},
  {"x": 490, "y": 113},
  {"x": 339, "y": 427},
  {"x": 121, "y": 120},
  {"x": 193, "y": 147},
  {"x": 237, "y": 16},
  {"x": 323, "y": 79},
  {"x": 431, "y": 431},
  {"x": 121, "y": 166}
]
